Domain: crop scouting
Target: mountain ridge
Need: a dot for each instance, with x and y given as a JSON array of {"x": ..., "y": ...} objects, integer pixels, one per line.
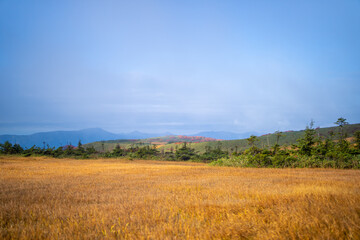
[
  {"x": 88, "y": 135},
  {"x": 224, "y": 135}
]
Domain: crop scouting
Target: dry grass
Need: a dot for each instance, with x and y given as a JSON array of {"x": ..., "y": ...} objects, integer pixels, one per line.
[{"x": 43, "y": 198}]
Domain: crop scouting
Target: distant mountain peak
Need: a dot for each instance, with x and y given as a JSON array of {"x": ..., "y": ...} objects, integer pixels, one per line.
[{"x": 93, "y": 130}]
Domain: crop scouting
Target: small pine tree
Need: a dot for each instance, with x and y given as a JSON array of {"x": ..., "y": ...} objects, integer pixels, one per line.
[
  {"x": 6, "y": 148},
  {"x": 307, "y": 142},
  {"x": 80, "y": 148},
  {"x": 342, "y": 144},
  {"x": 252, "y": 140},
  {"x": 117, "y": 152},
  {"x": 185, "y": 153},
  {"x": 276, "y": 147}
]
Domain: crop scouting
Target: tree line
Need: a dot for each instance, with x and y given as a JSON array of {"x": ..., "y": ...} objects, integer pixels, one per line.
[{"x": 311, "y": 150}]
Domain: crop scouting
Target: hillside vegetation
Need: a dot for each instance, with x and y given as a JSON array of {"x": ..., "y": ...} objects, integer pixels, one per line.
[
  {"x": 267, "y": 141},
  {"x": 47, "y": 198},
  {"x": 329, "y": 147},
  {"x": 200, "y": 144},
  {"x": 159, "y": 141}
]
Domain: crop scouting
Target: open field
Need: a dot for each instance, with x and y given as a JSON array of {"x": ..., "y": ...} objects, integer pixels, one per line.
[{"x": 42, "y": 198}]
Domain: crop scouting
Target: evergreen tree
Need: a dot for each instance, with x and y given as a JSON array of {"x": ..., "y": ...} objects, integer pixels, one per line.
[
  {"x": 252, "y": 140},
  {"x": 117, "y": 151},
  {"x": 276, "y": 147},
  {"x": 80, "y": 149},
  {"x": 185, "y": 153},
  {"x": 307, "y": 142},
  {"x": 342, "y": 144},
  {"x": 6, "y": 148}
]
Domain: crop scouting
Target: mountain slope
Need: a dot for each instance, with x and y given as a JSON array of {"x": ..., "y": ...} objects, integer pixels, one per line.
[
  {"x": 159, "y": 141},
  {"x": 225, "y": 135},
  {"x": 59, "y": 138},
  {"x": 268, "y": 140}
]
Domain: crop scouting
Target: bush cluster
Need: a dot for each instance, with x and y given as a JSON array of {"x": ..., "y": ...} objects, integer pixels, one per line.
[{"x": 310, "y": 151}]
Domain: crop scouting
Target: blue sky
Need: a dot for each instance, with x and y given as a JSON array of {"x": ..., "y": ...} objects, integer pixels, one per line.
[{"x": 178, "y": 66}]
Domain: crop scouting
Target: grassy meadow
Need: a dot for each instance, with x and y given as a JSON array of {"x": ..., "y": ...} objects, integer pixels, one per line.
[{"x": 47, "y": 198}]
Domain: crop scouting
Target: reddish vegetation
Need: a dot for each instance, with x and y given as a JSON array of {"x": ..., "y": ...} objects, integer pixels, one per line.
[
  {"x": 179, "y": 139},
  {"x": 194, "y": 139}
]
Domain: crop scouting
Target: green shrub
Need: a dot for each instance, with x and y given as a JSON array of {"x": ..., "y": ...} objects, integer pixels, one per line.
[
  {"x": 234, "y": 161},
  {"x": 283, "y": 160}
]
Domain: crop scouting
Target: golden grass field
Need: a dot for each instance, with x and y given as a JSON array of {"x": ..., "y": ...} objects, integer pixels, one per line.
[{"x": 45, "y": 198}]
